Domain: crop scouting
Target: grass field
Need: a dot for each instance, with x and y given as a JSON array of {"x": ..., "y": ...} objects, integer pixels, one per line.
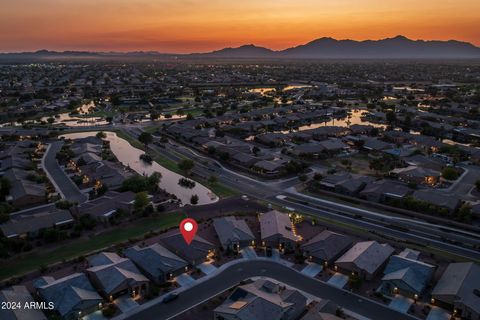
[{"x": 33, "y": 260}]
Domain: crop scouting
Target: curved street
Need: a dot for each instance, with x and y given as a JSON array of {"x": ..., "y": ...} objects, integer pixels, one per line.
[
  {"x": 245, "y": 269},
  {"x": 63, "y": 184}
]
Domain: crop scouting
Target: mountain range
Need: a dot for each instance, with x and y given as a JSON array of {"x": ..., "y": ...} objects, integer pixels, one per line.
[{"x": 398, "y": 47}]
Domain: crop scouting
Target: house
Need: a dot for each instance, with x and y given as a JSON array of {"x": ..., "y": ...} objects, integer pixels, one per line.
[
  {"x": 321, "y": 310},
  {"x": 312, "y": 149},
  {"x": 438, "y": 199},
  {"x": 425, "y": 162},
  {"x": 114, "y": 276},
  {"x": 80, "y": 147},
  {"x": 156, "y": 262},
  {"x": 406, "y": 275},
  {"x": 323, "y": 133},
  {"x": 382, "y": 190},
  {"x": 354, "y": 185},
  {"x": 277, "y": 231},
  {"x": 365, "y": 259},
  {"x": 244, "y": 159},
  {"x": 326, "y": 247},
  {"x": 346, "y": 183},
  {"x": 23, "y": 225},
  {"x": 261, "y": 300},
  {"x": 233, "y": 233},
  {"x": 111, "y": 174},
  {"x": 373, "y": 144},
  {"x": 270, "y": 167},
  {"x": 272, "y": 139},
  {"x": 427, "y": 143},
  {"x": 23, "y": 192},
  {"x": 73, "y": 296},
  {"x": 417, "y": 175},
  {"x": 86, "y": 158},
  {"x": 107, "y": 206},
  {"x": 19, "y": 295},
  {"x": 195, "y": 253},
  {"x": 15, "y": 161},
  {"x": 458, "y": 289},
  {"x": 331, "y": 146}
]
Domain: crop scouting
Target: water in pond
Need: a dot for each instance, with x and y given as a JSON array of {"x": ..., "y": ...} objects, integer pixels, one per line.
[{"x": 129, "y": 156}]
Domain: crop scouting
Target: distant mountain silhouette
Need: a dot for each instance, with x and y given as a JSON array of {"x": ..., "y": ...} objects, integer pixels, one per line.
[
  {"x": 392, "y": 48},
  {"x": 398, "y": 47},
  {"x": 245, "y": 51}
]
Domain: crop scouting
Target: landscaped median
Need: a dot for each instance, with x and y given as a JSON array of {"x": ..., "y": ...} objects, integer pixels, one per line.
[{"x": 23, "y": 264}]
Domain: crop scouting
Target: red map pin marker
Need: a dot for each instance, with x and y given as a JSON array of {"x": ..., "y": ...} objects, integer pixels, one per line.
[{"x": 188, "y": 228}]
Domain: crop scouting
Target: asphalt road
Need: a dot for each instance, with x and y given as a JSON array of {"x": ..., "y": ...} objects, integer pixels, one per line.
[
  {"x": 419, "y": 237},
  {"x": 418, "y": 231},
  {"x": 232, "y": 275},
  {"x": 66, "y": 187}
]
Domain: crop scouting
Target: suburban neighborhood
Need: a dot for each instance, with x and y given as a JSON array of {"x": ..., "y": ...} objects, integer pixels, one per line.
[{"x": 321, "y": 191}]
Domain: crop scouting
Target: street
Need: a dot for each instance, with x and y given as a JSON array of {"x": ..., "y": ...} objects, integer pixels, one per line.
[
  {"x": 243, "y": 270},
  {"x": 66, "y": 187}
]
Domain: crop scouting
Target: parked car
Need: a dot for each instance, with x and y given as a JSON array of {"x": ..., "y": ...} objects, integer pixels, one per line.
[{"x": 170, "y": 297}]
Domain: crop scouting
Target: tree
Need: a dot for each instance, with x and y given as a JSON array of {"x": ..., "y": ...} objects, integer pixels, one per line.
[
  {"x": 189, "y": 116},
  {"x": 64, "y": 204},
  {"x": 51, "y": 120},
  {"x": 140, "y": 183},
  {"x": 464, "y": 214},
  {"x": 101, "y": 135},
  {"x": 154, "y": 116},
  {"x": 145, "y": 138},
  {"x": 194, "y": 199},
  {"x": 186, "y": 165},
  {"x": 449, "y": 173},
  {"x": 141, "y": 201},
  {"x": 255, "y": 150},
  {"x": 477, "y": 184},
  {"x": 109, "y": 119}
]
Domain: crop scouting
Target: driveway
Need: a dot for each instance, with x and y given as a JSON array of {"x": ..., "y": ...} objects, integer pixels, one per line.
[
  {"x": 401, "y": 303},
  {"x": 64, "y": 186},
  {"x": 97, "y": 315},
  {"x": 185, "y": 280},
  {"x": 338, "y": 280},
  {"x": 275, "y": 255},
  {"x": 207, "y": 267},
  {"x": 125, "y": 303},
  {"x": 312, "y": 269},
  {"x": 438, "y": 314},
  {"x": 248, "y": 253}
]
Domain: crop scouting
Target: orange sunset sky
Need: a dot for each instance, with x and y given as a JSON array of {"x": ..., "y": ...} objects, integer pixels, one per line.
[{"x": 195, "y": 26}]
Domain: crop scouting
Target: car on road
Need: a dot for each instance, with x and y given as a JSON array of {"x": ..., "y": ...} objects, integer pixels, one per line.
[
  {"x": 170, "y": 297},
  {"x": 245, "y": 197}
]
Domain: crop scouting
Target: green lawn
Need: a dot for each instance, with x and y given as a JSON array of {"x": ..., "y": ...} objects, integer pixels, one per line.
[
  {"x": 220, "y": 189},
  {"x": 165, "y": 162},
  {"x": 134, "y": 142},
  {"x": 32, "y": 261},
  {"x": 151, "y": 129}
]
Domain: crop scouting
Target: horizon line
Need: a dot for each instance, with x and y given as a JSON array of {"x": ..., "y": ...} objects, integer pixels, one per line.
[{"x": 226, "y": 47}]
